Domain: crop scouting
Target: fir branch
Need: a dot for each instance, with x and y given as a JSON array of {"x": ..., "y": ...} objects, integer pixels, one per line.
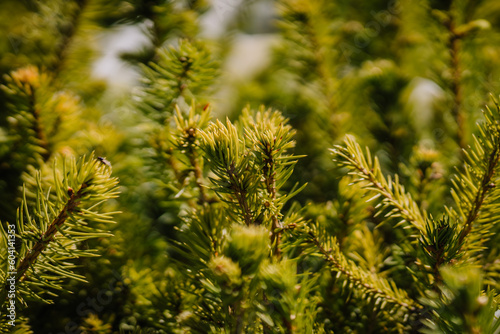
[
  {"x": 163, "y": 156},
  {"x": 454, "y": 41},
  {"x": 484, "y": 188},
  {"x": 270, "y": 181},
  {"x": 62, "y": 51},
  {"x": 251, "y": 169},
  {"x": 178, "y": 75},
  {"x": 474, "y": 189},
  {"x": 34, "y": 110},
  {"x": 240, "y": 193},
  {"x": 25, "y": 143},
  {"x": 52, "y": 229},
  {"x": 201, "y": 237},
  {"x": 461, "y": 306},
  {"x": 70, "y": 207},
  {"x": 21, "y": 88},
  {"x": 440, "y": 245},
  {"x": 236, "y": 181},
  {"x": 303, "y": 26},
  {"x": 269, "y": 139},
  {"x": 193, "y": 159},
  {"x": 383, "y": 290},
  {"x": 187, "y": 142},
  {"x": 393, "y": 193}
]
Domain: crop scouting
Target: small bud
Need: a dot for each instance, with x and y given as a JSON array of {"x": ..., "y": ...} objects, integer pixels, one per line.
[{"x": 70, "y": 191}]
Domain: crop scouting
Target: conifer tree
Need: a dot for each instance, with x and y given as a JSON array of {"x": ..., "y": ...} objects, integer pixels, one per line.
[{"x": 263, "y": 220}]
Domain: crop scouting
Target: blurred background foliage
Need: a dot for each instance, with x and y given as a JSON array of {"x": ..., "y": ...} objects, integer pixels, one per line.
[{"x": 407, "y": 78}]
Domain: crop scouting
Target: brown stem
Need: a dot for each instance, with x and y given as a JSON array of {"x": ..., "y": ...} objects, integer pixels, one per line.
[
  {"x": 270, "y": 180},
  {"x": 237, "y": 314},
  {"x": 37, "y": 125},
  {"x": 48, "y": 236},
  {"x": 62, "y": 52},
  {"x": 240, "y": 195},
  {"x": 340, "y": 267},
  {"x": 456, "y": 86},
  {"x": 439, "y": 262},
  {"x": 481, "y": 194},
  {"x": 198, "y": 175}
]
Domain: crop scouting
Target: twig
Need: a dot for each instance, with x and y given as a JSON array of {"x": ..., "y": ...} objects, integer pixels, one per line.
[{"x": 48, "y": 236}]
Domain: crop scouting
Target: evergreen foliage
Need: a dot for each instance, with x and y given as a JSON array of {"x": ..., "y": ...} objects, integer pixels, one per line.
[
  {"x": 274, "y": 218},
  {"x": 53, "y": 231}
]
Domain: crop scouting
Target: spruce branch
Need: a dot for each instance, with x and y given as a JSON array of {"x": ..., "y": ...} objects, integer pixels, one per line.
[
  {"x": 269, "y": 138},
  {"x": 251, "y": 168},
  {"x": 394, "y": 196},
  {"x": 440, "y": 245},
  {"x": 25, "y": 143},
  {"x": 70, "y": 207},
  {"x": 201, "y": 237},
  {"x": 63, "y": 48},
  {"x": 457, "y": 33},
  {"x": 315, "y": 241},
  {"x": 460, "y": 305},
  {"x": 187, "y": 142},
  {"x": 303, "y": 24},
  {"x": 485, "y": 187},
  {"x": 236, "y": 181},
  {"x": 240, "y": 193},
  {"x": 50, "y": 232},
  {"x": 475, "y": 190},
  {"x": 21, "y": 88},
  {"x": 454, "y": 48},
  {"x": 54, "y": 26},
  {"x": 37, "y": 124},
  {"x": 178, "y": 75}
]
